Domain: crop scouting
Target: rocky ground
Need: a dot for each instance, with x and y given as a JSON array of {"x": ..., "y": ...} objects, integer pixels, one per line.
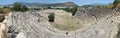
[{"x": 96, "y": 23}]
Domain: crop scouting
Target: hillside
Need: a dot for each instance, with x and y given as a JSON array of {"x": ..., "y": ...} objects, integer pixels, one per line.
[
  {"x": 86, "y": 23},
  {"x": 47, "y": 19},
  {"x": 66, "y": 4}
]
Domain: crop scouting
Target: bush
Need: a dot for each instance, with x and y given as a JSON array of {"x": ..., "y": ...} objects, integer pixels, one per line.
[
  {"x": 51, "y": 17},
  {"x": 24, "y": 9},
  {"x": 6, "y": 7},
  {"x": 49, "y": 7},
  {"x": 71, "y": 10}
]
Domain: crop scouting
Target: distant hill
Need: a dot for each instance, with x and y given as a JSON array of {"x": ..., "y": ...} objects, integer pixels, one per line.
[
  {"x": 33, "y": 4},
  {"x": 87, "y": 6},
  {"x": 66, "y": 4},
  {"x": 95, "y": 4},
  {"x": 99, "y": 4}
]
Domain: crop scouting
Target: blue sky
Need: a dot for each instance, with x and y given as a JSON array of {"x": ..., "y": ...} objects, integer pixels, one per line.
[{"x": 78, "y": 2}]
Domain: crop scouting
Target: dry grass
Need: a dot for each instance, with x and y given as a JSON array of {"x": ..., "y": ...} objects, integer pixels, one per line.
[
  {"x": 66, "y": 23},
  {"x": 104, "y": 7},
  {"x": 5, "y": 11},
  {"x": 109, "y": 6}
]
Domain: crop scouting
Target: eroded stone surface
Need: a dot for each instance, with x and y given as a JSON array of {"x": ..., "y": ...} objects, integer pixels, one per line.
[{"x": 98, "y": 24}]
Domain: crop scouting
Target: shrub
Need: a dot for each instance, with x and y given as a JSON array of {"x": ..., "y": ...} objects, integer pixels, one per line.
[
  {"x": 49, "y": 7},
  {"x": 6, "y": 7},
  {"x": 51, "y": 17},
  {"x": 71, "y": 10},
  {"x": 24, "y": 9}
]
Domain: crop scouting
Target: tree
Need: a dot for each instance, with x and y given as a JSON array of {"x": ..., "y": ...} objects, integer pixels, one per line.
[
  {"x": 24, "y": 8},
  {"x": 116, "y": 2},
  {"x": 16, "y": 6},
  {"x": 49, "y": 7},
  {"x": 19, "y": 7},
  {"x": 51, "y": 17},
  {"x": 74, "y": 10}
]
